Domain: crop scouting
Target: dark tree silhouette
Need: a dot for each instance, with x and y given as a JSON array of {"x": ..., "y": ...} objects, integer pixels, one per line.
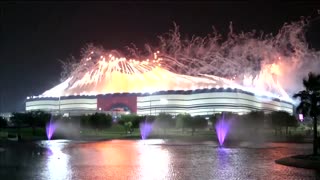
[
  {"x": 254, "y": 120},
  {"x": 18, "y": 120},
  {"x": 32, "y": 119},
  {"x": 85, "y": 121},
  {"x": 310, "y": 103},
  {"x": 164, "y": 121},
  {"x": 280, "y": 119},
  {"x": 196, "y": 122},
  {"x": 3, "y": 122},
  {"x": 182, "y": 120},
  {"x": 101, "y": 121},
  {"x": 133, "y": 118},
  {"x": 130, "y": 121}
]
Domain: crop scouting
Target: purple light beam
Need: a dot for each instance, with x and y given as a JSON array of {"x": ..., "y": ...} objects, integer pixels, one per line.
[
  {"x": 222, "y": 128},
  {"x": 50, "y": 128},
  {"x": 145, "y": 130}
]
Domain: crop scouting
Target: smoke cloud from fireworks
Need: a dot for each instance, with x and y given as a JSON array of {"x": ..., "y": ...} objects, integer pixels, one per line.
[
  {"x": 276, "y": 64},
  {"x": 251, "y": 59}
]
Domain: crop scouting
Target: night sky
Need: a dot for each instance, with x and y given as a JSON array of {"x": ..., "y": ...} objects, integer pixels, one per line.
[{"x": 34, "y": 36}]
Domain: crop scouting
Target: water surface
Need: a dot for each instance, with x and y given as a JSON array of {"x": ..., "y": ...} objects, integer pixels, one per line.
[{"x": 151, "y": 159}]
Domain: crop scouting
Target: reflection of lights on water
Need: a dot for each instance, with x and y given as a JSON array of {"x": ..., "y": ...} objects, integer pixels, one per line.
[
  {"x": 58, "y": 162},
  {"x": 223, "y": 156},
  {"x": 151, "y": 142},
  {"x": 153, "y": 160}
]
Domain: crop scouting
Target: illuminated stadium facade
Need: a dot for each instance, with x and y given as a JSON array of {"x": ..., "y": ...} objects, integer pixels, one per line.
[
  {"x": 199, "y": 75},
  {"x": 102, "y": 82},
  {"x": 195, "y": 102}
]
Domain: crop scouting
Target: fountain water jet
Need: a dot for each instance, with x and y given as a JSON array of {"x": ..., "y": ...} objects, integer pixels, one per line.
[
  {"x": 50, "y": 128},
  {"x": 145, "y": 130},
  {"x": 222, "y": 128}
]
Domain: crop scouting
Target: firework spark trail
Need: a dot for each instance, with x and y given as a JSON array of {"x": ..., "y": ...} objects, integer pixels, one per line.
[
  {"x": 264, "y": 62},
  {"x": 246, "y": 57},
  {"x": 118, "y": 74}
]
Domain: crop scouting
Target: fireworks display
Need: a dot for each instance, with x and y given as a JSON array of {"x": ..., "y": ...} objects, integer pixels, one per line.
[
  {"x": 105, "y": 73},
  {"x": 250, "y": 61}
]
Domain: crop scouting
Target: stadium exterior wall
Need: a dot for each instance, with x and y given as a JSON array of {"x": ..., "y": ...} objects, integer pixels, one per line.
[
  {"x": 196, "y": 102},
  {"x": 72, "y": 105}
]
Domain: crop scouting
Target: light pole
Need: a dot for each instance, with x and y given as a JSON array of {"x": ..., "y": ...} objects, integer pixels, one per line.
[
  {"x": 150, "y": 105},
  {"x": 59, "y": 105}
]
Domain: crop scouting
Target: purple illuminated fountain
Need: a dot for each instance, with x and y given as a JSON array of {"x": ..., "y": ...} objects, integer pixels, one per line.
[
  {"x": 145, "y": 129},
  {"x": 50, "y": 128},
  {"x": 301, "y": 117},
  {"x": 222, "y": 128}
]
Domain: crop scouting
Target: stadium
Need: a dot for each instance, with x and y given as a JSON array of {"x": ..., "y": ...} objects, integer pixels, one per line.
[
  {"x": 120, "y": 86},
  {"x": 194, "y": 102}
]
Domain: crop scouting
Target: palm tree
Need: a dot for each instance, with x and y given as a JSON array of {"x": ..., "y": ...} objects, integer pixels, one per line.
[{"x": 310, "y": 102}]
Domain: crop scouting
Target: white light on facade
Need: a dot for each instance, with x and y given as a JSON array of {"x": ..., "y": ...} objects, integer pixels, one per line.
[{"x": 163, "y": 101}]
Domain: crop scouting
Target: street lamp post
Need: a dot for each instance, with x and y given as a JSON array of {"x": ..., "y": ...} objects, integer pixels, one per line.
[
  {"x": 59, "y": 105},
  {"x": 150, "y": 105}
]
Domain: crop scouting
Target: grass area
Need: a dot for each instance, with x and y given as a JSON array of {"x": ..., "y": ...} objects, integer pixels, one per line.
[
  {"x": 3, "y": 134},
  {"x": 118, "y": 132},
  {"x": 301, "y": 161},
  {"x": 26, "y": 133}
]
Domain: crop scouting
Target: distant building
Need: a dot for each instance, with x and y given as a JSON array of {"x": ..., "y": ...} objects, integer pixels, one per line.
[
  {"x": 6, "y": 115},
  {"x": 194, "y": 102},
  {"x": 110, "y": 84}
]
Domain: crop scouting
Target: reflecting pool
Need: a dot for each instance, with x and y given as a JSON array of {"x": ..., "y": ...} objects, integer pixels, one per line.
[{"x": 150, "y": 159}]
